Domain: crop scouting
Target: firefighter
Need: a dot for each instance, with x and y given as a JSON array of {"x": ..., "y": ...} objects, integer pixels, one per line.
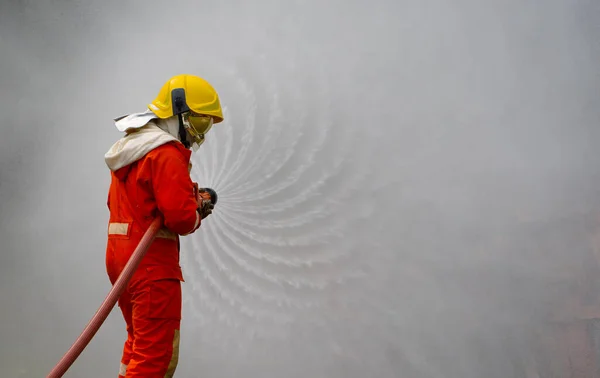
[{"x": 150, "y": 174}]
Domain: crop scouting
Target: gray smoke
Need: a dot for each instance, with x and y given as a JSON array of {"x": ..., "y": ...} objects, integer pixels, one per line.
[{"x": 401, "y": 182}]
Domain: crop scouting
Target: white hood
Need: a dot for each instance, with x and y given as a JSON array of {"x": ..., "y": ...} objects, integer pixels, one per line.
[
  {"x": 134, "y": 121},
  {"x": 137, "y": 143},
  {"x": 130, "y": 122}
]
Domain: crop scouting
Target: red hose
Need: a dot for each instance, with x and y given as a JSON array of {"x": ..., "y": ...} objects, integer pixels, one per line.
[{"x": 90, "y": 330}]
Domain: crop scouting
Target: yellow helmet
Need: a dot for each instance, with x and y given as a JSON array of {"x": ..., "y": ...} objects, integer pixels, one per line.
[{"x": 184, "y": 93}]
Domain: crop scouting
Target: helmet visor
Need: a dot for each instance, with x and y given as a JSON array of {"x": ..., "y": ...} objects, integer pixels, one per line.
[{"x": 197, "y": 125}]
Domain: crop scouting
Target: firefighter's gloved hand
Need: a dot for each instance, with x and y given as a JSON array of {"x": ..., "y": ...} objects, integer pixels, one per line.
[
  {"x": 209, "y": 199},
  {"x": 205, "y": 209},
  {"x": 206, "y": 199}
]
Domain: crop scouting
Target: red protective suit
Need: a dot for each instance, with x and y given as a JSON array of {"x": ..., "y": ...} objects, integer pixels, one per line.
[{"x": 151, "y": 304}]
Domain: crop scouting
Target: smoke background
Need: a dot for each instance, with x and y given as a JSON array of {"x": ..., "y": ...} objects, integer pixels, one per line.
[{"x": 450, "y": 144}]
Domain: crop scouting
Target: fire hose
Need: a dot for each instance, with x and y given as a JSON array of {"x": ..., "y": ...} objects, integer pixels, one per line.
[{"x": 111, "y": 299}]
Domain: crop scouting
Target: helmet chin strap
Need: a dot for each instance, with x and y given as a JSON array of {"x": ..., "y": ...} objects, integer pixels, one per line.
[{"x": 182, "y": 132}]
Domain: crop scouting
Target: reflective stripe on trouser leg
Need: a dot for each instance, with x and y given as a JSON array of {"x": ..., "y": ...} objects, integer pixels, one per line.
[
  {"x": 122, "y": 370},
  {"x": 174, "y": 356}
]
